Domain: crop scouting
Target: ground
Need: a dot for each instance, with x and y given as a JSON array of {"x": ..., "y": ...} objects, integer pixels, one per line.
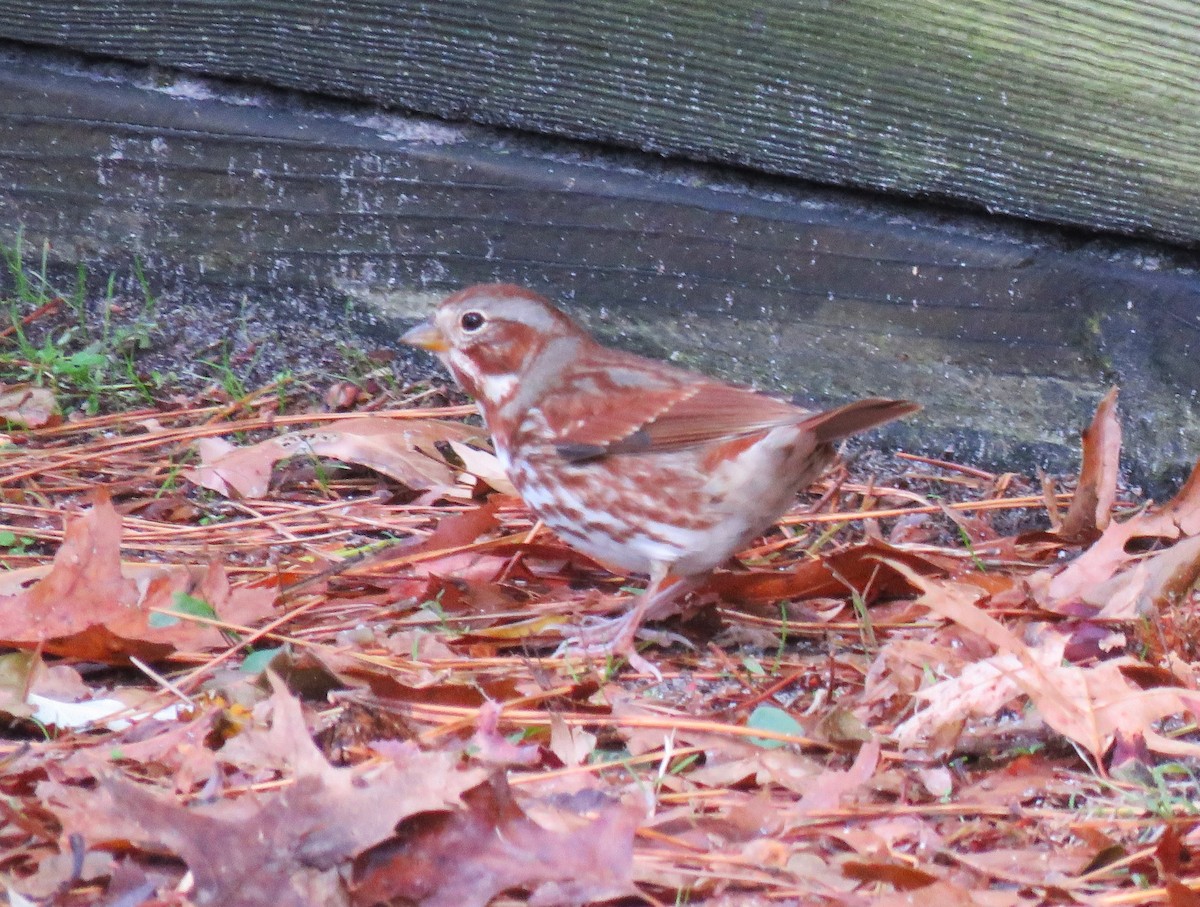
[{"x": 274, "y": 632}]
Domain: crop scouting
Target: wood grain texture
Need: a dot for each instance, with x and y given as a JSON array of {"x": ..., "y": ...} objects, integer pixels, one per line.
[
  {"x": 1071, "y": 111},
  {"x": 1008, "y": 338}
]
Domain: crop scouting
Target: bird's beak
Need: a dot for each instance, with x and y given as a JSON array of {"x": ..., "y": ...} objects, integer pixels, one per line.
[{"x": 427, "y": 336}]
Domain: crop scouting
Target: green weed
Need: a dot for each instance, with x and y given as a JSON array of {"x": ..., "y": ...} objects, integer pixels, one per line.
[{"x": 61, "y": 339}]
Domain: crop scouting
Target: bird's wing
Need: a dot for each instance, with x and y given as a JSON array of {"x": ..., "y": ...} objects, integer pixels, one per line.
[{"x": 622, "y": 404}]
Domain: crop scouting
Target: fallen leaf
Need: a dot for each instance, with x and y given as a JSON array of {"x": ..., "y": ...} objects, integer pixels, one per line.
[
  {"x": 1180, "y": 895},
  {"x": 453, "y": 531},
  {"x": 91, "y": 606},
  {"x": 1172, "y": 855},
  {"x": 491, "y": 747},
  {"x": 1057, "y": 589},
  {"x": 1087, "y": 705},
  {"x": 862, "y": 569},
  {"x": 175, "y": 749},
  {"x": 774, "y": 719},
  {"x": 572, "y": 745},
  {"x": 27, "y": 405},
  {"x": 466, "y": 857},
  {"x": 402, "y": 449},
  {"x": 789, "y": 770},
  {"x": 283, "y": 847},
  {"x": 980, "y": 691},
  {"x": 242, "y": 853},
  {"x": 831, "y": 786},
  {"x": 17, "y": 670},
  {"x": 1149, "y": 585},
  {"x": 898, "y": 875},
  {"x": 1131, "y": 760},
  {"x": 485, "y": 466},
  {"x": 948, "y": 894},
  {"x": 97, "y": 712},
  {"x": 1091, "y": 507},
  {"x": 901, "y": 667}
]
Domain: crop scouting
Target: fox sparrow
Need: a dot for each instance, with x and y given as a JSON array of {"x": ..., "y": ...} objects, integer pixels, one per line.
[{"x": 640, "y": 465}]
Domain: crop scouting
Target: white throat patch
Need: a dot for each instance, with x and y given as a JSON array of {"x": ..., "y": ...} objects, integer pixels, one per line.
[{"x": 496, "y": 388}]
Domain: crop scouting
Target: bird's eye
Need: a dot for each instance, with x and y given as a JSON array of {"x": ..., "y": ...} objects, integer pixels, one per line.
[{"x": 472, "y": 321}]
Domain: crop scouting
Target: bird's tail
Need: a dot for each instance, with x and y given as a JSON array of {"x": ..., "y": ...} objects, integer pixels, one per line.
[{"x": 844, "y": 421}]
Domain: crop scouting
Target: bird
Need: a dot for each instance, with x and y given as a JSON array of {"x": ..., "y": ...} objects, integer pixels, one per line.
[{"x": 644, "y": 467}]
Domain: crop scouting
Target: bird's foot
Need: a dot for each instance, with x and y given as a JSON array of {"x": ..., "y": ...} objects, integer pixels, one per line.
[
  {"x": 616, "y": 637},
  {"x": 577, "y": 647}
]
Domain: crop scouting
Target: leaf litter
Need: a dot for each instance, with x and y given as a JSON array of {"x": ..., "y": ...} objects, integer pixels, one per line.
[{"x": 302, "y": 657}]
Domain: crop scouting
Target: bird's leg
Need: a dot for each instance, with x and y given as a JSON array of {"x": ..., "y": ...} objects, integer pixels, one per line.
[{"x": 616, "y": 636}]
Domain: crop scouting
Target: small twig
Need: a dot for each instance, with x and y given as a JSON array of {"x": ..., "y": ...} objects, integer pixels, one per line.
[
  {"x": 159, "y": 679},
  {"x": 46, "y": 308},
  {"x": 946, "y": 464}
]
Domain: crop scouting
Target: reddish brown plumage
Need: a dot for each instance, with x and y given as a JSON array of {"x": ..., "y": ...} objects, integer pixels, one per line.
[{"x": 643, "y": 466}]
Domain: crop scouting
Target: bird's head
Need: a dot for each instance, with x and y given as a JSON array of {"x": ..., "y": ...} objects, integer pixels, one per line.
[{"x": 488, "y": 335}]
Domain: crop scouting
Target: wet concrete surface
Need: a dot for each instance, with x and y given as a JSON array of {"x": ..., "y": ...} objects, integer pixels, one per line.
[{"x": 308, "y": 223}]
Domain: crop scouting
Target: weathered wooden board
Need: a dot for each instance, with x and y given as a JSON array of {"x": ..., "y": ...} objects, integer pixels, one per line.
[
  {"x": 1009, "y": 337},
  {"x": 1071, "y": 111}
]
